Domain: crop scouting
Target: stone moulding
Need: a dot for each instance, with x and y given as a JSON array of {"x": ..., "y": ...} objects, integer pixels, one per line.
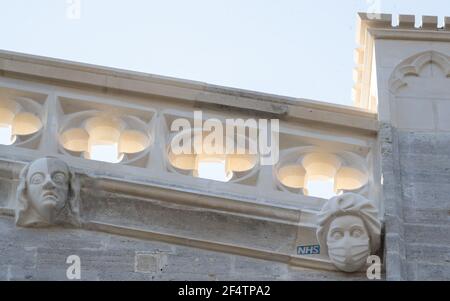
[
  {"x": 213, "y": 223},
  {"x": 194, "y": 198},
  {"x": 293, "y": 260},
  {"x": 225, "y": 225},
  {"x": 413, "y": 65},
  {"x": 201, "y": 94}
]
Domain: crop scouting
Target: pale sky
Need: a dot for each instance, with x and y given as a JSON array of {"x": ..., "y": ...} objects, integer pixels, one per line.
[{"x": 288, "y": 47}]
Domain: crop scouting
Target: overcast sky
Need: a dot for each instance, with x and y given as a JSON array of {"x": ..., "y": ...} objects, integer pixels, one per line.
[{"x": 288, "y": 47}]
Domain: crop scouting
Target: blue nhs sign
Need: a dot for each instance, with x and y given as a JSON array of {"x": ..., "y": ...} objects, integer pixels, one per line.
[{"x": 308, "y": 250}]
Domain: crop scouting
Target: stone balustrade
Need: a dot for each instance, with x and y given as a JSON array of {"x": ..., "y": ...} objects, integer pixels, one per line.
[{"x": 114, "y": 129}]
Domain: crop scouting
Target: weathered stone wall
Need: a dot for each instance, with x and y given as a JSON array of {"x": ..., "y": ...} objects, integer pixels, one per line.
[
  {"x": 417, "y": 202},
  {"x": 416, "y": 194},
  {"x": 36, "y": 254},
  {"x": 425, "y": 189},
  {"x": 394, "y": 251}
]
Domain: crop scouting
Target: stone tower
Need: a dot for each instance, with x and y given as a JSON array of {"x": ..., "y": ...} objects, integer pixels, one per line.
[{"x": 404, "y": 73}]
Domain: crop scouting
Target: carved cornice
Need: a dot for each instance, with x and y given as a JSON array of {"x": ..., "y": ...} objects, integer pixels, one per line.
[{"x": 109, "y": 80}]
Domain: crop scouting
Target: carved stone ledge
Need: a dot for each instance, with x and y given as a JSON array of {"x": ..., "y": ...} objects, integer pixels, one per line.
[
  {"x": 293, "y": 260},
  {"x": 246, "y": 230},
  {"x": 48, "y": 188}
]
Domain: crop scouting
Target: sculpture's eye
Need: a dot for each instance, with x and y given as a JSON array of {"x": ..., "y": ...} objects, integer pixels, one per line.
[
  {"x": 59, "y": 178},
  {"x": 356, "y": 233},
  {"x": 337, "y": 235},
  {"x": 37, "y": 179}
]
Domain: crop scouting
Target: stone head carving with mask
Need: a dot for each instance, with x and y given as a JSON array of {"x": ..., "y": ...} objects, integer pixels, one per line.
[
  {"x": 48, "y": 194},
  {"x": 349, "y": 231}
]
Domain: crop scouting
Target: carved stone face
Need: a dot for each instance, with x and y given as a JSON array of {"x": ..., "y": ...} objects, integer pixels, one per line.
[
  {"x": 348, "y": 243},
  {"x": 48, "y": 187}
]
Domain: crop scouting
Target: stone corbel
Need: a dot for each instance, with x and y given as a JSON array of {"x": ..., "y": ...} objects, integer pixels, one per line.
[
  {"x": 48, "y": 195},
  {"x": 349, "y": 231}
]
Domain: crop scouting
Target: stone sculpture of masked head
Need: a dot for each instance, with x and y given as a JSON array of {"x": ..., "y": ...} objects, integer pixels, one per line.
[
  {"x": 349, "y": 231},
  {"x": 48, "y": 194}
]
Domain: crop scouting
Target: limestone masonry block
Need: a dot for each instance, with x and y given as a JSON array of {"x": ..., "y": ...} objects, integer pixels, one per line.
[
  {"x": 429, "y": 22},
  {"x": 407, "y": 21}
]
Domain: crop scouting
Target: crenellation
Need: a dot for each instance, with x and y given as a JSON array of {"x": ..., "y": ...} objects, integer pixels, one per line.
[
  {"x": 407, "y": 21},
  {"x": 429, "y": 22},
  {"x": 404, "y": 21},
  {"x": 377, "y": 20}
]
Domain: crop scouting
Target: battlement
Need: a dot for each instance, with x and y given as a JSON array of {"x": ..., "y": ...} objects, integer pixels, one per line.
[{"x": 404, "y": 21}]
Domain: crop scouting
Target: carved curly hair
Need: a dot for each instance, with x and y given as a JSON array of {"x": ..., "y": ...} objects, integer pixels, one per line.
[{"x": 350, "y": 204}]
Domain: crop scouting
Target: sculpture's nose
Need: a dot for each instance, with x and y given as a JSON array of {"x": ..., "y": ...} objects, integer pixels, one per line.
[
  {"x": 49, "y": 183},
  {"x": 347, "y": 247}
]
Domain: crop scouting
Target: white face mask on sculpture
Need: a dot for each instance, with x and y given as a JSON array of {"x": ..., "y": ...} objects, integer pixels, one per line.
[
  {"x": 349, "y": 231},
  {"x": 348, "y": 243}
]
